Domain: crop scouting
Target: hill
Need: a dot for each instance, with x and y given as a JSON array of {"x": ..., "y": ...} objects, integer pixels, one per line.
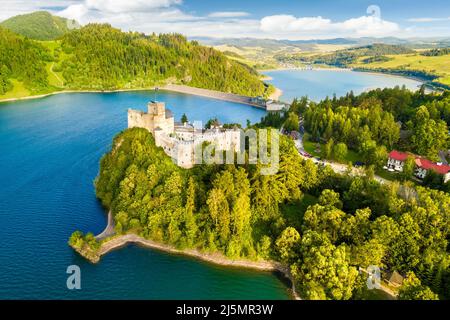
[
  {"x": 40, "y": 25},
  {"x": 100, "y": 57},
  {"x": 22, "y": 62}
]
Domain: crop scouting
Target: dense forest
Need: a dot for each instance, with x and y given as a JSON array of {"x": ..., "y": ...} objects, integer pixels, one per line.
[
  {"x": 321, "y": 224},
  {"x": 100, "y": 57},
  {"x": 436, "y": 52},
  {"x": 24, "y": 60},
  {"x": 40, "y": 25},
  {"x": 371, "y": 122},
  {"x": 345, "y": 57}
]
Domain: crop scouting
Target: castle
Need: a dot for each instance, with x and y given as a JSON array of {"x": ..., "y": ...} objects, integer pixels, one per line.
[{"x": 181, "y": 141}]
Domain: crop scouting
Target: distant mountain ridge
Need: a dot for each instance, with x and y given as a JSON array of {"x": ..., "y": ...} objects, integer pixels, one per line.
[
  {"x": 40, "y": 25},
  {"x": 364, "y": 41}
]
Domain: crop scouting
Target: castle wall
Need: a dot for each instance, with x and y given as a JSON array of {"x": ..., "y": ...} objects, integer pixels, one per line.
[{"x": 179, "y": 142}]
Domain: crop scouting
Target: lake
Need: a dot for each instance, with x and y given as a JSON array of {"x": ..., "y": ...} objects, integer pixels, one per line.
[
  {"x": 50, "y": 152},
  {"x": 318, "y": 84}
]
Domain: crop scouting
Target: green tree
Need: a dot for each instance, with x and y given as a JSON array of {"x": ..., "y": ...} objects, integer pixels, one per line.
[
  {"x": 412, "y": 289},
  {"x": 287, "y": 244},
  {"x": 220, "y": 213},
  {"x": 340, "y": 152},
  {"x": 324, "y": 270},
  {"x": 327, "y": 149},
  {"x": 429, "y": 135},
  {"x": 291, "y": 123},
  {"x": 184, "y": 118},
  {"x": 408, "y": 168},
  {"x": 190, "y": 223}
]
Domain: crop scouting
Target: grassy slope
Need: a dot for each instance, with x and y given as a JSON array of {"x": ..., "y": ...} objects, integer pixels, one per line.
[
  {"x": 55, "y": 79},
  {"x": 439, "y": 65},
  {"x": 18, "y": 91},
  {"x": 310, "y": 147}
]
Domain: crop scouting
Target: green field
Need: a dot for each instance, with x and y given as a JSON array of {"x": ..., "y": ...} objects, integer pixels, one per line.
[
  {"x": 18, "y": 91},
  {"x": 438, "y": 65},
  {"x": 311, "y": 147}
]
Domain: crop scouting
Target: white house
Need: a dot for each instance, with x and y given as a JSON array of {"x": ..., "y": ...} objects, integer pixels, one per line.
[{"x": 397, "y": 159}]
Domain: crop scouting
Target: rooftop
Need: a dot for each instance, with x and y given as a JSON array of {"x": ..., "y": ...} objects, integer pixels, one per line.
[
  {"x": 427, "y": 165},
  {"x": 420, "y": 162},
  {"x": 397, "y": 155}
]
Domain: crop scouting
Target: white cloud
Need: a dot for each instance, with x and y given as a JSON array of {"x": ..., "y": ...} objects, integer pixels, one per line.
[
  {"x": 428, "y": 19},
  {"x": 289, "y": 26},
  {"x": 12, "y": 8},
  {"x": 289, "y": 23},
  {"x": 369, "y": 26},
  {"x": 228, "y": 14},
  {"x": 120, "y": 6},
  {"x": 169, "y": 16}
]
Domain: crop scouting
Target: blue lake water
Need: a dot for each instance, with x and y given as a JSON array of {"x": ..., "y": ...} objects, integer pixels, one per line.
[
  {"x": 49, "y": 156},
  {"x": 318, "y": 84}
]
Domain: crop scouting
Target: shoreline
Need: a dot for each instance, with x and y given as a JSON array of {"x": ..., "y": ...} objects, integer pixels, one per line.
[
  {"x": 368, "y": 71},
  {"x": 45, "y": 95},
  {"x": 301, "y": 69},
  {"x": 117, "y": 242},
  {"x": 276, "y": 95},
  {"x": 112, "y": 242},
  {"x": 206, "y": 93}
]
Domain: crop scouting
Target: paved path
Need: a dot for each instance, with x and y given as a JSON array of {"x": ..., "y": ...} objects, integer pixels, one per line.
[
  {"x": 442, "y": 156},
  {"x": 109, "y": 230},
  {"x": 337, "y": 167}
]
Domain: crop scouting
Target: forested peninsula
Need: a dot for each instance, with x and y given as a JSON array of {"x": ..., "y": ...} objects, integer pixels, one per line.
[{"x": 321, "y": 225}]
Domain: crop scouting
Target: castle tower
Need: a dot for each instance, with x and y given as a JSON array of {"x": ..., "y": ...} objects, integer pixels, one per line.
[
  {"x": 156, "y": 108},
  {"x": 157, "y": 117}
]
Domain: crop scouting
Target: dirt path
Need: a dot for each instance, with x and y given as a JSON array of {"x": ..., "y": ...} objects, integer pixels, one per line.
[{"x": 61, "y": 82}]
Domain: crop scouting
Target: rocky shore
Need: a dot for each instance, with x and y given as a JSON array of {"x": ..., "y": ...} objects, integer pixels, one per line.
[{"x": 116, "y": 242}]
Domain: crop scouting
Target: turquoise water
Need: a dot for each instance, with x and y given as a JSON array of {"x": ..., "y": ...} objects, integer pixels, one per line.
[
  {"x": 318, "y": 84},
  {"x": 49, "y": 154}
]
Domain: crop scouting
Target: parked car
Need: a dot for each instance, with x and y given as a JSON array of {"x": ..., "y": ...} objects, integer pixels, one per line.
[
  {"x": 305, "y": 154},
  {"x": 359, "y": 164}
]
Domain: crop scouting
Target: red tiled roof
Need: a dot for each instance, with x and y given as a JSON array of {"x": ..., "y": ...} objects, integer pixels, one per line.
[
  {"x": 397, "y": 155},
  {"x": 427, "y": 165}
]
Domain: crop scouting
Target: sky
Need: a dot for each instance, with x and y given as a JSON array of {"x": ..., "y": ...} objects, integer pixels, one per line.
[{"x": 271, "y": 19}]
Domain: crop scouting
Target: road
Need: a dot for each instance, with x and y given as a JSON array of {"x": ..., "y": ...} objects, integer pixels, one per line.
[{"x": 337, "y": 167}]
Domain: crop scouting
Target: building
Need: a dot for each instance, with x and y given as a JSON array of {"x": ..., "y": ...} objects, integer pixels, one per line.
[
  {"x": 275, "y": 106},
  {"x": 156, "y": 117},
  {"x": 259, "y": 100},
  {"x": 397, "y": 159},
  {"x": 180, "y": 141},
  {"x": 423, "y": 166},
  {"x": 395, "y": 279}
]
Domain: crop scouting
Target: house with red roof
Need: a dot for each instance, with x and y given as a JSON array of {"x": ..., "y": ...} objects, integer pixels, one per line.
[
  {"x": 397, "y": 159},
  {"x": 423, "y": 166}
]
